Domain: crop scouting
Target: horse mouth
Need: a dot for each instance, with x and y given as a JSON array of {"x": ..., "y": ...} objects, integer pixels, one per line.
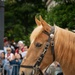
[
  {"x": 31, "y": 73},
  {"x": 22, "y": 73},
  {"x": 26, "y": 73}
]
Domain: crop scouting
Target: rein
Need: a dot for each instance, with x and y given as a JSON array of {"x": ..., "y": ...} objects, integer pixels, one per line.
[{"x": 39, "y": 60}]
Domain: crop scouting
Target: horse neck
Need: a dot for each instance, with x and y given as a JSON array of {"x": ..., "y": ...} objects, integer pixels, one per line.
[{"x": 65, "y": 50}]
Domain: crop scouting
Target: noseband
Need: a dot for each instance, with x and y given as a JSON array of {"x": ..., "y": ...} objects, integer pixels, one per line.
[{"x": 39, "y": 60}]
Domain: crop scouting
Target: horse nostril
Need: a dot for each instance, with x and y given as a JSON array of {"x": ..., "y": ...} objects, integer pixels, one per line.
[{"x": 22, "y": 73}]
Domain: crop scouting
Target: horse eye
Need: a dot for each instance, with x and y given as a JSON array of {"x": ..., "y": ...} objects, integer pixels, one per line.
[{"x": 38, "y": 45}]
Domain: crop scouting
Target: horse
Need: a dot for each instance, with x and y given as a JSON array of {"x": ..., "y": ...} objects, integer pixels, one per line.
[{"x": 49, "y": 44}]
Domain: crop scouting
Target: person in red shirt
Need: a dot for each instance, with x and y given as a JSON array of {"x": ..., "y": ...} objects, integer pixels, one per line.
[
  {"x": 21, "y": 51},
  {"x": 20, "y": 48}
]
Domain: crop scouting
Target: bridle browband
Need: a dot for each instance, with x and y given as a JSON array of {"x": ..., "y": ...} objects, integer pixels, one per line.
[{"x": 39, "y": 60}]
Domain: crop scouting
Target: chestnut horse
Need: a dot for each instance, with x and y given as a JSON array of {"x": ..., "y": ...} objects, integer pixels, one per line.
[{"x": 49, "y": 43}]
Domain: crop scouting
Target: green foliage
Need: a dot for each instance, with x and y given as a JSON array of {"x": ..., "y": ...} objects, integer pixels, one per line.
[
  {"x": 19, "y": 18},
  {"x": 62, "y": 15},
  {"x": 65, "y": 1}
]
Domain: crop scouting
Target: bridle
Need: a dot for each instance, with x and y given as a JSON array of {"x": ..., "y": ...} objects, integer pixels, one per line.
[{"x": 39, "y": 60}]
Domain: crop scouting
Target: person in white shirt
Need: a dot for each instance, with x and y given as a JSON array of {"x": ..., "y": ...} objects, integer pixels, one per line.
[{"x": 9, "y": 57}]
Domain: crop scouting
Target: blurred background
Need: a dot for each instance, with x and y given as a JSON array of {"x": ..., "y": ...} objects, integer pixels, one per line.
[{"x": 19, "y": 16}]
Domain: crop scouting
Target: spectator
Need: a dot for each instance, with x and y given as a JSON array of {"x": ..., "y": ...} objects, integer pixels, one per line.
[
  {"x": 9, "y": 58},
  {"x": 3, "y": 58},
  {"x": 21, "y": 50},
  {"x": 3, "y": 62},
  {"x": 18, "y": 59},
  {"x": 25, "y": 51},
  {"x": 8, "y": 44}
]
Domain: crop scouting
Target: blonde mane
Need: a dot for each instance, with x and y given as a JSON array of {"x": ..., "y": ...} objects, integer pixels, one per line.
[
  {"x": 65, "y": 50},
  {"x": 35, "y": 33}
]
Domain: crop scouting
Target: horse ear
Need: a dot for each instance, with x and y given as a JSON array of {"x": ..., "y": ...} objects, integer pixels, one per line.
[
  {"x": 45, "y": 25},
  {"x": 37, "y": 21}
]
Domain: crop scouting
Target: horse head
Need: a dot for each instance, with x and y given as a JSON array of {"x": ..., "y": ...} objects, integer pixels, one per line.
[{"x": 39, "y": 55}]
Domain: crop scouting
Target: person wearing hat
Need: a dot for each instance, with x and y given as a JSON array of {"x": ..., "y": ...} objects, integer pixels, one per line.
[
  {"x": 9, "y": 56},
  {"x": 20, "y": 48}
]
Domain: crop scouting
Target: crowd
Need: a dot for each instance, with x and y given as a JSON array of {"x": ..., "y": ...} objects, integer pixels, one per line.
[{"x": 12, "y": 55}]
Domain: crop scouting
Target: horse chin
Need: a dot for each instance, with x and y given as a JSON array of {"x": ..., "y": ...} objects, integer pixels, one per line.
[
  {"x": 30, "y": 72},
  {"x": 26, "y": 72}
]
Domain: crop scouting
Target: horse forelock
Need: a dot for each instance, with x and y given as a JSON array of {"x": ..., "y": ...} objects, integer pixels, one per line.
[{"x": 35, "y": 33}]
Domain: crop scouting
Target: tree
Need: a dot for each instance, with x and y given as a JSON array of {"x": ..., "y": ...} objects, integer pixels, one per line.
[
  {"x": 19, "y": 18},
  {"x": 63, "y": 14}
]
